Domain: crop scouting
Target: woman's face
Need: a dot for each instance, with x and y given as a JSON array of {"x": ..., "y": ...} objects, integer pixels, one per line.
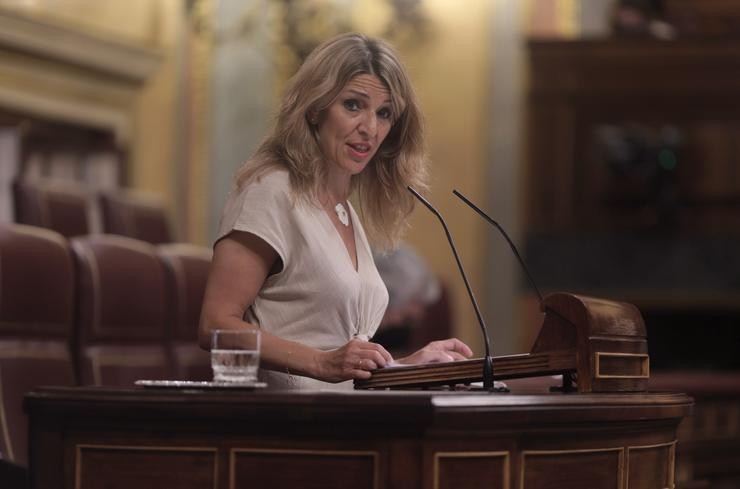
[{"x": 354, "y": 126}]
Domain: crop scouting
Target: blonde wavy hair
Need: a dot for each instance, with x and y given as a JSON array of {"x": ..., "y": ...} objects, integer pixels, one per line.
[{"x": 380, "y": 189}]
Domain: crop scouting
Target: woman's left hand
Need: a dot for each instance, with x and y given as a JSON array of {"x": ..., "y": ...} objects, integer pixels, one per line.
[{"x": 447, "y": 350}]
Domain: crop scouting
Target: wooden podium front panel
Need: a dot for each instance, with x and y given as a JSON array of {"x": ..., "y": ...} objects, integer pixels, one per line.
[
  {"x": 466, "y": 470},
  {"x": 651, "y": 466},
  {"x": 126, "y": 467},
  {"x": 275, "y": 468},
  {"x": 88, "y": 438},
  {"x": 577, "y": 469}
]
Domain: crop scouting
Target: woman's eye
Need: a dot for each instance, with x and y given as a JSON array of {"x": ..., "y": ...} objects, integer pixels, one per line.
[
  {"x": 351, "y": 105},
  {"x": 384, "y": 114}
]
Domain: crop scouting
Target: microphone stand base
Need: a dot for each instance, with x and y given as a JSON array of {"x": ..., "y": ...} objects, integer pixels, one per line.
[
  {"x": 567, "y": 384},
  {"x": 488, "y": 373}
]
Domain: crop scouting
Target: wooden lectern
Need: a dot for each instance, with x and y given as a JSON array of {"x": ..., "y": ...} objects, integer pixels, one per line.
[
  {"x": 605, "y": 437},
  {"x": 598, "y": 343}
]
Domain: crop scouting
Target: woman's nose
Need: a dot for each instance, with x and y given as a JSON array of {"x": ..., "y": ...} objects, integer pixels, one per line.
[{"x": 369, "y": 125}]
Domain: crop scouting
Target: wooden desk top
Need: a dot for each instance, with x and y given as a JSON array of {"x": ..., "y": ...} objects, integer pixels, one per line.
[{"x": 407, "y": 409}]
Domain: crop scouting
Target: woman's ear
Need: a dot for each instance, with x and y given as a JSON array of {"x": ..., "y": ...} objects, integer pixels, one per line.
[{"x": 313, "y": 118}]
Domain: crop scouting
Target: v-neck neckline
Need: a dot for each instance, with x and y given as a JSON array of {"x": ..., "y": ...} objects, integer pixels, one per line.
[{"x": 338, "y": 236}]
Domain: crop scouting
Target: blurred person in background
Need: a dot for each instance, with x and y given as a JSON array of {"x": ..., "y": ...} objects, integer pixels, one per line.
[{"x": 412, "y": 288}]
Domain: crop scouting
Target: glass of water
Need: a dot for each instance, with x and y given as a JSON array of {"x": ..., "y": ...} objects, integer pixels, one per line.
[{"x": 235, "y": 355}]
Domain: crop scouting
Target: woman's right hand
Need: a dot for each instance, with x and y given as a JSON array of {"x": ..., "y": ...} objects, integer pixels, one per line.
[{"x": 354, "y": 360}]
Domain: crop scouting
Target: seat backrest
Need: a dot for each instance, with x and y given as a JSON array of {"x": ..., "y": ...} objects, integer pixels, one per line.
[
  {"x": 36, "y": 317},
  {"x": 187, "y": 269},
  {"x": 136, "y": 215},
  {"x": 64, "y": 208},
  {"x": 120, "y": 323}
]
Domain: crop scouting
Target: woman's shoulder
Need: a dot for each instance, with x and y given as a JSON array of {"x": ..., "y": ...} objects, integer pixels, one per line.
[
  {"x": 275, "y": 179},
  {"x": 269, "y": 186},
  {"x": 259, "y": 202}
]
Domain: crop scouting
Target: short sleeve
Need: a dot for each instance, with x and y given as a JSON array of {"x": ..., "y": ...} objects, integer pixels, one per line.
[{"x": 263, "y": 207}]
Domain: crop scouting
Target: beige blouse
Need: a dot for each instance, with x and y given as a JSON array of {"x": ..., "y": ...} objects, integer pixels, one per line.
[{"x": 318, "y": 298}]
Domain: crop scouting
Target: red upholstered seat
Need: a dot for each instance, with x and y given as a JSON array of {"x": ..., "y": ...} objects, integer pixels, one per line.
[
  {"x": 64, "y": 208},
  {"x": 121, "y": 311},
  {"x": 36, "y": 317},
  {"x": 136, "y": 215},
  {"x": 187, "y": 272}
]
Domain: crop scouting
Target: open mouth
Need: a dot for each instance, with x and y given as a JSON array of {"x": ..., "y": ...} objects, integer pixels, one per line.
[{"x": 360, "y": 149}]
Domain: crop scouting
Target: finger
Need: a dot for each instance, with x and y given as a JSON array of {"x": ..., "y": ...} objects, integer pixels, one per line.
[
  {"x": 355, "y": 348},
  {"x": 387, "y": 357},
  {"x": 466, "y": 351},
  {"x": 432, "y": 356},
  {"x": 361, "y": 374},
  {"x": 440, "y": 356},
  {"x": 368, "y": 364},
  {"x": 376, "y": 358},
  {"x": 453, "y": 344},
  {"x": 456, "y": 356},
  {"x": 382, "y": 351},
  {"x": 352, "y": 362}
]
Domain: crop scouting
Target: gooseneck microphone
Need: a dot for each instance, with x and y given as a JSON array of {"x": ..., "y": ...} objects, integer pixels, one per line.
[
  {"x": 488, "y": 360},
  {"x": 511, "y": 243}
]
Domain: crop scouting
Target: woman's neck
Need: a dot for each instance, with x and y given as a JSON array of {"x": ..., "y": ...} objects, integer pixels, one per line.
[{"x": 336, "y": 188}]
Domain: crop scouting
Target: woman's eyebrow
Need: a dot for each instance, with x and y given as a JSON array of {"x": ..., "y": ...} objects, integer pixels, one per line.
[{"x": 365, "y": 95}]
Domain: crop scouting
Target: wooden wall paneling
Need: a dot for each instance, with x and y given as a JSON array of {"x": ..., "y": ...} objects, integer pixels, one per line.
[{"x": 576, "y": 86}]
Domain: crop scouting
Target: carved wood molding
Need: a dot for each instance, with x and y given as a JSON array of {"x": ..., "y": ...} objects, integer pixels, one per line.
[{"x": 55, "y": 41}]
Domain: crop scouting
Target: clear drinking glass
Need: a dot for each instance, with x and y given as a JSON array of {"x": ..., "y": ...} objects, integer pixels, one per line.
[{"x": 235, "y": 355}]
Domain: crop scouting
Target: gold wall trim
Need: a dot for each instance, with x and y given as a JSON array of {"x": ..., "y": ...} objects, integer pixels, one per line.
[
  {"x": 143, "y": 448},
  {"x": 43, "y": 105},
  {"x": 498, "y": 454},
  {"x": 299, "y": 451},
  {"x": 671, "y": 462},
  {"x": 56, "y": 41},
  {"x": 644, "y": 365},
  {"x": 619, "y": 450}
]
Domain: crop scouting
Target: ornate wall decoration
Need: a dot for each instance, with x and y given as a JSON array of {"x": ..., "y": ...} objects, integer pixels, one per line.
[{"x": 301, "y": 26}]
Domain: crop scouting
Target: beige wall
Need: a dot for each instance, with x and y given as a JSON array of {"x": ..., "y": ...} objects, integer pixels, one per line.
[
  {"x": 155, "y": 164},
  {"x": 450, "y": 73}
]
